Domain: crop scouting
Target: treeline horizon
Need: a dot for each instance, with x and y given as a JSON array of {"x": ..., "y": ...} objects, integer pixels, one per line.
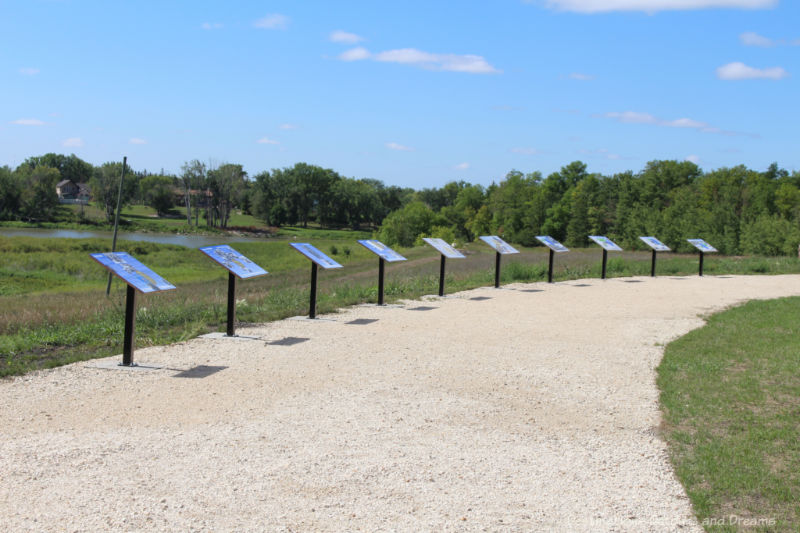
[{"x": 736, "y": 209}]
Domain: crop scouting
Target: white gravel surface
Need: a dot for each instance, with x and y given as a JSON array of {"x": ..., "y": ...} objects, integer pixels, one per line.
[{"x": 534, "y": 409}]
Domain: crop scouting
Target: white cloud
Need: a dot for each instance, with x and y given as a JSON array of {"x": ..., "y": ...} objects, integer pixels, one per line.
[
  {"x": 211, "y": 25},
  {"x": 272, "y": 22},
  {"x": 527, "y": 151},
  {"x": 461, "y": 166},
  {"x": 740, "y": 71},
  {"x": 355, "y": 54},
  {"x": 399, "y": 147},
  {"x": 651, "y": 6},
  {"x": 693, "y": 159},
  {"x": 633, "y": 117},
  {"x": 288, "y": 126},
  {"x": 340, "y": 36},
  {"x": 580, "y": 77},
  {"x": 72, "y": 142},
  {"x": 472, "y": 64},
  {"x": 750, "y": 38},
  {"x": 265, "y": 140},
  {"x": 604, "y": 153},
  {"x": 29, "y": 71},
  {"x": 28, "y": 122},
  {"x": 136, "y": 140}
]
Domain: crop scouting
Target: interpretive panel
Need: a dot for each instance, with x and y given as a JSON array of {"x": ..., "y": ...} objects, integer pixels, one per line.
[
  {"x": 499, "y": 245},
  {"x": 234, "y": 261},
  {"x": 702, "y": 245},
  {"x": 381, "y": 250},
  {"x": 606, "y": 243},
  {"x": 551, "y": 243},
  {"x": 315, "y": 255},
  {"x": 444, "y": 248},
  {"x": 655, "y": 244},
  {"x": 132, "y": 272}
]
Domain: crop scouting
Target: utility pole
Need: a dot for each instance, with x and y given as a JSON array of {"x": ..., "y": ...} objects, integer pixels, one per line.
[{"x": 116, "y": 219}]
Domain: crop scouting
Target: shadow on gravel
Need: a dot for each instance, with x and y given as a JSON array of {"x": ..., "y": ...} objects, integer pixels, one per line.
[
  {"x": 479, "y": 298},
  {"x": 202, "y": 371},
  {"x": 422, "y": 308},
  {"x": 362, "y": 321},
  {"x": 288, "y": 341}
]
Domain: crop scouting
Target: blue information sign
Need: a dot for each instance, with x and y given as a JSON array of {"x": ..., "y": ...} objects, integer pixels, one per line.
[
  {"x": 499, "y": 245},
  {"x": 702, "y": 245},
  {"x": 315, "y": 255},
  {"x": 606, "y": 243},
  {"x": 132, "y": 272},
  {"x": 655, "y": 244},
  {"x": 234, "y": 261},
  {"x": 381, "y": 250},
  {"x": 444, "y": 248},
  {"x": 551, "y": 243}
]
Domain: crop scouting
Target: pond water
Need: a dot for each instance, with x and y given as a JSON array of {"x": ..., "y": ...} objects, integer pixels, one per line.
[{"x": 190, "y": 241}]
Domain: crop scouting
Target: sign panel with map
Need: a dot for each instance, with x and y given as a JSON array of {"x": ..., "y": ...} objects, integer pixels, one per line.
[
  {"x": 702, "y": 245},
  {"x": 606, "y": 243},
  {"x": 315, "y": 255},
  {"x": 551, "y": 243},
  {"x": 444, "y": 248},
  {"x": 132, "y": 272},
  {"x": 655, "y": 244},
  {"x": 233, "y": 261},
  {"x": 499, "y": 245},
  {"x": 381, "y": 250}
]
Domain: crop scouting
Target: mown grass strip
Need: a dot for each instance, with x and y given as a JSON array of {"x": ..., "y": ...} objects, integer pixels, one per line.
[{"x": 730, "y": 394}]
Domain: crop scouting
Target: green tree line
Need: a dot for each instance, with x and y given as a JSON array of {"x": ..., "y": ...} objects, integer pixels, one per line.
[{"x": 737, "y": 209}]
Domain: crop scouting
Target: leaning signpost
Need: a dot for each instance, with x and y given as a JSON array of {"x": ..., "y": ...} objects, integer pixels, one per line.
[
  {"x": 704, "y": 248},
  {"x": 317, "y": 258},
  {"x": 555, "y": 247},
  {"x": 237, "y": 265},
  {"x": 138, "y": 278},
  {"x": 608, "y": 246},
  {"x": 446, "y": 251},
  {"x": 657, "y": 246},
  {"x": 501, "y": 248},
  {"x": 384, "y": 254}
]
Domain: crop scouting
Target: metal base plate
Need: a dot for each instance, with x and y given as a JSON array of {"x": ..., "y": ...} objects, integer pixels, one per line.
[{"x": 116, "y": 365}]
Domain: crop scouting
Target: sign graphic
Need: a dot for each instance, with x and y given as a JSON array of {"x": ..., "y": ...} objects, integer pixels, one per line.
[
  {"x": 315, "y": 255},
  {"x": 232, "y": 260},
  {"x": 551, "y": 243},
  {"x": 132, "y": 272},
  {"x": 444, "y": 248},
  {"x": 381, "y": 250},
  {"x": 655, "y": 244},
  {"x": 500, "y": 246},
  {"x": 606, "y": 243},
  {"x": 702, "y": 245}
]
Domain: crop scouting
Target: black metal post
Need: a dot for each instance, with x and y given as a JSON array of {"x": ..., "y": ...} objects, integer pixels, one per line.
[
  {"x": 231, "y": 303},
  {"x": 550, "y": 267},
  {"x": 701, "y": 263},
  {"x": 653, "y": 265},
  {"x": 497, "y": 270},
  {"x": 130, "y": 327},
  {"x": 381, "y": 267},
  {"x": 116, "y": 219},
  {"x": 605, "y": 259},
  {"x": 312, "y": 313},
  {"x": 441, "y": 276}
]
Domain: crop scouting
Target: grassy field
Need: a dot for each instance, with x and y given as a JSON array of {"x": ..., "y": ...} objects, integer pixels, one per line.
[
  {"x": 730, "y": 393},
  {"x": 53, "y": 307}
]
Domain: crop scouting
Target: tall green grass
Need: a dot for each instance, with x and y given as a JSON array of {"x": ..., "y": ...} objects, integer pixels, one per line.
[{"x": 53, "y": 308}]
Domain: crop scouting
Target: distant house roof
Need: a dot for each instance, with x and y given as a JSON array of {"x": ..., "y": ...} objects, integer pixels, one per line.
[{"x": 63, "y": 182}]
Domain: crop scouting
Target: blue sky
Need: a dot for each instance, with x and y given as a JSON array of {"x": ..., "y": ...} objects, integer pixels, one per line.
[{"x": 414, "y": 93}]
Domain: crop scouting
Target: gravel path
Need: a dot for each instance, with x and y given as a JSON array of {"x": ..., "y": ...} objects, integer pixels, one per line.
[{"x": 529, "y": 408}]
